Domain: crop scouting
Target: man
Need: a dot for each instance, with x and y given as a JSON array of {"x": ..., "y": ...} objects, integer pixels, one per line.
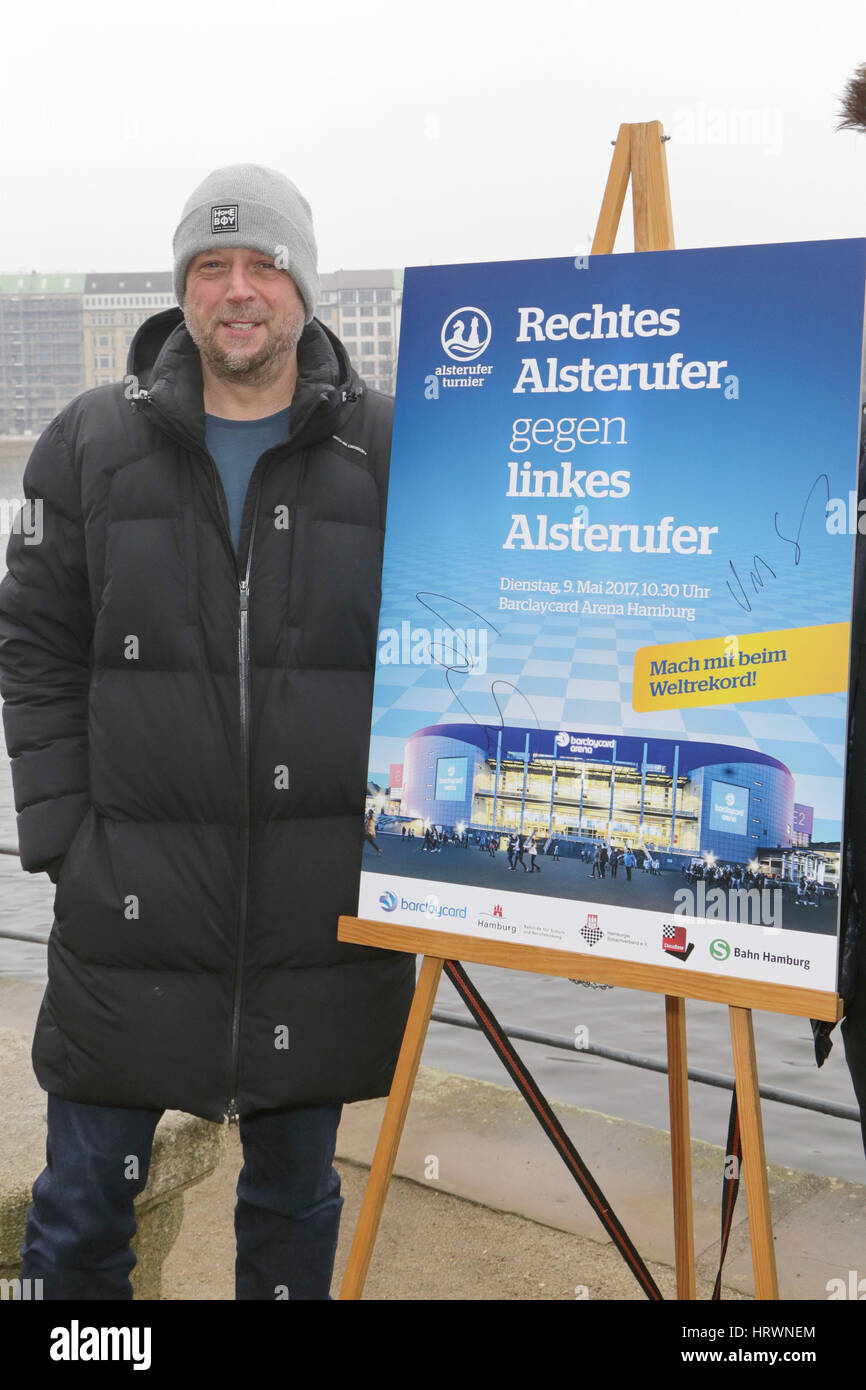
[{"x": 186, "y": 662}]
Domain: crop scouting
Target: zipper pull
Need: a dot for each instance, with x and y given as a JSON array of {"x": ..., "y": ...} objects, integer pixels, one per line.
[
  {"x": 232, "y": 1113},
  {"x": 245, "y": 593}
]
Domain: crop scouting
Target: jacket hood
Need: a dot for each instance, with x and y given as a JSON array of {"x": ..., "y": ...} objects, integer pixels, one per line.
[
  {"x": 166, "y": 366},
  {"x": 147, "y": 341}
]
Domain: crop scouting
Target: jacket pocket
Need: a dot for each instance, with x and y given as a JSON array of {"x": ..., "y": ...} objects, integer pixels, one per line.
[
  {"x": 86, "y": 897},
  {"x": 48, "y": 1051},
  {"x": 69, "y": 859}
]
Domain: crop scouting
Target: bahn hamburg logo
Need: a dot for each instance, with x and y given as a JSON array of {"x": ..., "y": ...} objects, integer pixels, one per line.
[
  {"x": 591, "y": 932},
  {"x": 676, "y": 943},
  {"x": 466, "y": 333}
]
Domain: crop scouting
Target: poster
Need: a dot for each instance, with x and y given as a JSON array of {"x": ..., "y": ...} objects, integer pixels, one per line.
[{"x": 610, "y": 698}]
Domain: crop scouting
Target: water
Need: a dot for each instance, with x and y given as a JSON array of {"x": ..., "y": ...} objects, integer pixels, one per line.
[{"x": 619, "y": 1018}]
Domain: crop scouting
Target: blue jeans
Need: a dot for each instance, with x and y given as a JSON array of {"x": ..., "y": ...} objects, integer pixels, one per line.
[{"x": 82, "y": 1219}]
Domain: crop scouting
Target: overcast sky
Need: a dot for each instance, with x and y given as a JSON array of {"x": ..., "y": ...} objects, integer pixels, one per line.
[{"x": 423, "y": 133}]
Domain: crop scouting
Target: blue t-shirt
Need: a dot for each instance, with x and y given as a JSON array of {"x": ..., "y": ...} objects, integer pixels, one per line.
[{"x": 236, "y": 447}]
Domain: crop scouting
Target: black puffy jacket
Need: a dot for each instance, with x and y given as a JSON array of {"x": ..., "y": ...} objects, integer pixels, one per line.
[{"x": 190, "y": 729}]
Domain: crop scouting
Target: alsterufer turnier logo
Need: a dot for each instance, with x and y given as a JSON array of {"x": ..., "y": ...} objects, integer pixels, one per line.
[{"x": 466, "y": 333}]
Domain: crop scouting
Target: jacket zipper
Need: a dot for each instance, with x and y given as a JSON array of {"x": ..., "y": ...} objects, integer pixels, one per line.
[
  {"x": 244, "y": 682},
  {"x": 244, "y": 690}
]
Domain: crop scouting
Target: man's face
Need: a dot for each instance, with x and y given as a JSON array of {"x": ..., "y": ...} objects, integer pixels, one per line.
[{"x": 244, "y": 315}]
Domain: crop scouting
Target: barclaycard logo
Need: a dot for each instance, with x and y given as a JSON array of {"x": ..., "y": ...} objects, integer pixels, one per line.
[
  {"x": 428, "y": 907},
  {"x": 466, "y": 333}
]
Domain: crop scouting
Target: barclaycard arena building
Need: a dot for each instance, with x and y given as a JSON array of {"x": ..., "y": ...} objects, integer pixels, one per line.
[{"x": 678, "y": 800}]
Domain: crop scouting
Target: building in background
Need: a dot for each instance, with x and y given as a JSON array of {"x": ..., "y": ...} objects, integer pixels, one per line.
[
  {"x": 41, "y": 349},
  {"x": 63, "y": 334},
  {"x": 363, "y": 308},
  {"x": 114, "y": 307}
]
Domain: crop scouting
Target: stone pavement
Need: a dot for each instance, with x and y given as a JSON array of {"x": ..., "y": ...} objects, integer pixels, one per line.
[
  {"x": 481, "y": 1207},
  {"x": 504, "y": 1219}
]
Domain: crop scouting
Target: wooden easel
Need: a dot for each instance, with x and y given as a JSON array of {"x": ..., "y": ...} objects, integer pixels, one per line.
[{"x": 638, "y": 156}]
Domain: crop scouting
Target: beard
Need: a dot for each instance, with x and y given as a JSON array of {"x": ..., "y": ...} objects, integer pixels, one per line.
[{"x": 283, "y": 330}]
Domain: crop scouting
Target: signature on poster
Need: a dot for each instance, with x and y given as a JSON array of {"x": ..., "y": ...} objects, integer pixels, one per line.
[
  {"x": 757, "y": 580},
  {"x": 461, "y": 661}
]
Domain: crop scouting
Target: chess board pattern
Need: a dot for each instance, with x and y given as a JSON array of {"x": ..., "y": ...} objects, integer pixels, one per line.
[{"x": 574, "y": 671}]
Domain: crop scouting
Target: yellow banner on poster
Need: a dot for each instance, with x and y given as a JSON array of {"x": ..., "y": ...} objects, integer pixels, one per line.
[{"x": 727, "y": 670}]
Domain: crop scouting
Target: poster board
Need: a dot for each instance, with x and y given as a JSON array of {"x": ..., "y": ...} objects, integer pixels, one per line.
[{"x": 616, "y": 606}]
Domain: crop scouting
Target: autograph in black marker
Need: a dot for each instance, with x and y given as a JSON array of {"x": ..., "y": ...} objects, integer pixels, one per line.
[
  {"x": 462, "y": 663},
  {"x": 755, "y": 576}
]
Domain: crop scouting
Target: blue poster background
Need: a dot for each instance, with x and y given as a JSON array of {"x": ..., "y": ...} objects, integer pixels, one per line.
[{"x": 758, "y": 459}]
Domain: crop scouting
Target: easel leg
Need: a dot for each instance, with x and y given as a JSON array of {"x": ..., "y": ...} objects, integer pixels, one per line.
[
  {"x": 614, "y": 194},
  {"x": 392, "y": 1129},
  {"x": 681, "y": 1153},
  {"x": 754, "y": 1158}
]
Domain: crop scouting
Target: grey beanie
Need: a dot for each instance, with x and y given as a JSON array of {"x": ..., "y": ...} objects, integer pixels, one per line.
[{"x": 252, "y": 206}]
